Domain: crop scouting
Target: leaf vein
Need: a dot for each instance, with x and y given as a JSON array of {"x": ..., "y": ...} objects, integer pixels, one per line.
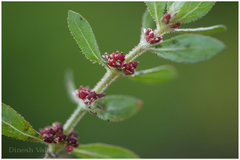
[
  {"x": 86, "y": 40},
  {"x": 189, "y": 12},
  {"x": 90, "y": 153},
  {"x": 155, "y": 7},
  {"x": 21, "y": 131}
]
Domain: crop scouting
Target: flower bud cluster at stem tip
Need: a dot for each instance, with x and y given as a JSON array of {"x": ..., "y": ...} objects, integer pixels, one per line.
[{"x": 168, "y": 18}]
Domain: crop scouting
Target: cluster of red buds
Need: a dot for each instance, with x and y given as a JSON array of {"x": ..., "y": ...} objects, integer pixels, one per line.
[
  {"x": 117, "y": 60},
  {"x": 149, "y": 33},
  {"x": 87, "y": 95},
  {"x": 166, "y": 18},
  {"x": 54, "y": 134}
]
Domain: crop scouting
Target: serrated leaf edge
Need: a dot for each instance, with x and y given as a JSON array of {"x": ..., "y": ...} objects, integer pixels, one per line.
[
  {"x": 151, "y": 13},
  {"x": 139, "y": 104},
  {"x": 199, "y": 17},
  {"x": 200, "y": 29},
  {"x": 100, "y": 61},
  {"x": 189, "y": 12},
  {"x": 152, "y": 51},
  {"x": 155, "y": 69},
  {"x": 20, "y": 132},
  {"x": 39, "y": 140},
  {"x": 155, "y": 7}
]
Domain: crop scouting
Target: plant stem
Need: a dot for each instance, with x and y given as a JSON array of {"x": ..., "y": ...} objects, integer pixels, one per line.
[
  {"x": 112, "y": 74},
  {"x": 137, "y": 51},
  {"x": 107, "y": 79},
  {"x": 52, "y": 151},
  {"x": 74, "y": 119}
]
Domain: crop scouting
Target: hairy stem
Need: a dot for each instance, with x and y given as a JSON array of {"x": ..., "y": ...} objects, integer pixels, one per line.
[
  {"x": 112, "y": 74},
  {"x": 107, "y": 79},
  {"x": 137, "y": 51},
  {"x": 74, "y": 119}
]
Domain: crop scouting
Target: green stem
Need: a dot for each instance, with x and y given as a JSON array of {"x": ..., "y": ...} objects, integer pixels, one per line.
[
  {"x": 74, "y": 119},
  {"x": 137, "y": 51},
  {"x": 52, "y": 151},
  {"x": 107, "y": 79},
  {"x": 112, "y": 74}
]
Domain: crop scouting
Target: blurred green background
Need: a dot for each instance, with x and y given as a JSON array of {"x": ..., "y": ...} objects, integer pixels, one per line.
[{"x": 193, "y": 116}]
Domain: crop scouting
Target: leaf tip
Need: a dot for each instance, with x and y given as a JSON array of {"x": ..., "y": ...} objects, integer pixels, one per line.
[{"x": 139, "y": 103}]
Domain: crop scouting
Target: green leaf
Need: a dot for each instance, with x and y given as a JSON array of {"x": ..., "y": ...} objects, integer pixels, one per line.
[
  {"x": 189, "y": 11},
  {"x": 70, "y": 86},
  {"x": 174, "y": 6},
  {"x": 155, "y": 75},
  {"x": 203, "y": 30},
  {"x": 83, "y": 34},
  {"x": 116, "y": 108},
  {"x": 15, "y": 126},
  {"x": 156, "y": 9},
  {"x": 188, "y": 48},
  {"x": 147, "y": 21},
  {"x": 99, "y": 150}
]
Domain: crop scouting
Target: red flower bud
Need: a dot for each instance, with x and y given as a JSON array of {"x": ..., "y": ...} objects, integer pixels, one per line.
[
  {"x": 48, "y": 138},
  {"x": 148, "y": 31},
  {"x": 152, "y": 41},
  {"x": 73, "y": 134},
  {"x": 120, "y": 57},
  {"x": 151, "y": 34},
  {"x": 57, "y": 127},
  {"x": 158, "y": 39},
  {"x": 100, "y": 95},
  {"x": 69, "y": 148},
  {"x": 133, "y": 64},
  {"x": 113, "y": 55},
  {"x": 61, "y": 137},
  {"x": 112, "y": 63},
  {"x": 176, "y": 25},
  {"x": 72, "y": 140},
  {"x": 106, "y": 56},
  {"x": 168, "y": 16},
  {"x": 92, "y": 95}
]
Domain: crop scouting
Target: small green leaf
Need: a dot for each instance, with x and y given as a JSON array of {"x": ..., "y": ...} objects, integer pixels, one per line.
[
  {"x": 203, "y": 30},
  {"x": 188, "y": 48},
  {"x": 15, "y": 126},
  {"x": 156, "y": 9},
  {"x": 99, "y": 150},
  {"x": 155, "y": 75},
  {"x": 189, "y": 11},
  {"x": 83, "y": 34},
  {"x": 147, "y": 21},
  {"x": 116, "y": 108},
  {"x": 70, "y": 86}
]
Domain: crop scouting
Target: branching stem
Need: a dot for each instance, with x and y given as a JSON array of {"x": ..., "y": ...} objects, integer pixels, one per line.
[{"x": 107, "y": 79}]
